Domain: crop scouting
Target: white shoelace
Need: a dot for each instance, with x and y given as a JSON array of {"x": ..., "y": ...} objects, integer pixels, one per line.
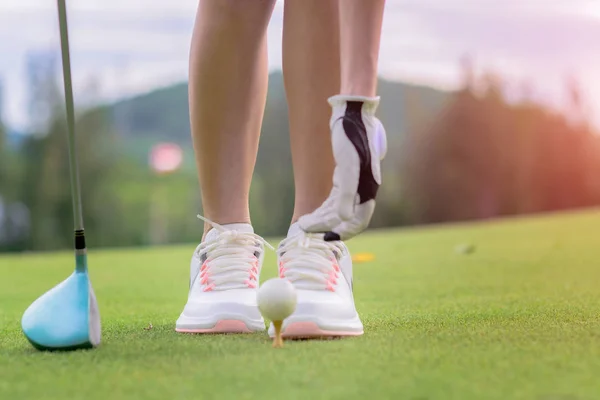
[
  {"x": 231, "y": 262},
  {"x": 309, "y": 262}
]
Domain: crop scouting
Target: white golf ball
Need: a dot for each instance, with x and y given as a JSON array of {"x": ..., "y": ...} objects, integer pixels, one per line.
[{"x": 276, "y": 299}]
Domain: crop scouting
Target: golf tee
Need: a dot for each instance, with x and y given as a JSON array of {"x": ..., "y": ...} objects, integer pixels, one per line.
[{"x": 278, "y": 340}]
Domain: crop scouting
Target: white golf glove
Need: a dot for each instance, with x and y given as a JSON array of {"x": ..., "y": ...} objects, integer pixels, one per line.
[{"x": 359, "y": 144}]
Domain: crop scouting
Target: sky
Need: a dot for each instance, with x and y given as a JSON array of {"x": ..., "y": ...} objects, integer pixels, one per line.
[{"x": 133, "y": 46}]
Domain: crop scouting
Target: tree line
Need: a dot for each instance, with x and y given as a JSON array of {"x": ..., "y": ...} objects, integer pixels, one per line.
[{"x": 475, "y": 155}]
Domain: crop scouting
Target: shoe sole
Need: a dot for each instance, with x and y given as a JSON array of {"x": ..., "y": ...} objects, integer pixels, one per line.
[
  {"x": 310, "y": 330},
  {"x": 309, "y": 327},
  {"x": 223, "y": 326}
]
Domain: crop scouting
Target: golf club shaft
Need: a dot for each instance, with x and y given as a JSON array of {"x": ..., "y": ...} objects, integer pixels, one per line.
[{"x": 74, "y": 171}]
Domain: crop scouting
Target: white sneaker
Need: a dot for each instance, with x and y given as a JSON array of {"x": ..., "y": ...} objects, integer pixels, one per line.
[
  {"x": 325, "y": 301},
  {"x": 224, "y": 276}
]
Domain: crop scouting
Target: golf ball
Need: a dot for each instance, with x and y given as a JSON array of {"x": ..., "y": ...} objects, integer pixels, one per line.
[{"x": 276, "y": 299}]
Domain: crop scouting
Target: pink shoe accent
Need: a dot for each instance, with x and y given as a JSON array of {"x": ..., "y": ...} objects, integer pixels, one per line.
[
  {"x": 281, "y": 270},
  {"x": 209, "y": 287},
  {"x": 223, "y": 326},
  {"x": 333, "y": 276},
  {"x": 336, "y": 266},
  {"x": 204, "y": 275},
  {"x": 302, "y": 330},
  {"x": 253, "y": 275}
]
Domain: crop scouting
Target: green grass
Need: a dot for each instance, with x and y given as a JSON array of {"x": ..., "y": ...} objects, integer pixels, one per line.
[{"x": 516, "y": 319}]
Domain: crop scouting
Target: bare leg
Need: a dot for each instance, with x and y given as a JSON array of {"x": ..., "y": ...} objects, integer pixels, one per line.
[
  {"x": 311, "y": 73},
  {"x": 358, "y": 137},
  {"x": 360, "y": 33},
  {"x": 227, "y": 93},
  {"x": 317, "y": 134}
]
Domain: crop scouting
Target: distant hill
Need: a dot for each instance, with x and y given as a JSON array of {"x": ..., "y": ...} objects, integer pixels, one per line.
[{"x": 162, "y": 115}]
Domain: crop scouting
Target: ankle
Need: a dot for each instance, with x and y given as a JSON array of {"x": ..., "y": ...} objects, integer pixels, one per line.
[{"x": 245, "y": 226}]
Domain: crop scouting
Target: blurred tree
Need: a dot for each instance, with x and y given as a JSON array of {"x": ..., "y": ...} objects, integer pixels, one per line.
[
  {"x": 467, "y": 70},
  {"x": 465, "y": 155},
  {"x": 272, "y": 195},
  {"x": 484, "y": 157},
  {"x": 41, "y": 72},
  {"x": 47, "y": 190},
  {"x": 3, "y": 155}
]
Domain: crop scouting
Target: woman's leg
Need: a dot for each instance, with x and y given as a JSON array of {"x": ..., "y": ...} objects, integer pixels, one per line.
[
  {"x": 360, "y": 34},
  {"x": 228, "y": 87},
  {"x": 227, "y": 93},
  {"x": 358, "y": 137},
  {"x": 311, "y": 68},
  {"x": 325, "y": 307}
]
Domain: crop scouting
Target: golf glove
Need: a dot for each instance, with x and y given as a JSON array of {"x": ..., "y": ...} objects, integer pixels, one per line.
[{"x": 359, "y": 144}]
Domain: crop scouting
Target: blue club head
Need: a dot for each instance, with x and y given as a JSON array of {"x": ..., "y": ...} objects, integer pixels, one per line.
[{"x": 66, "y": 317}]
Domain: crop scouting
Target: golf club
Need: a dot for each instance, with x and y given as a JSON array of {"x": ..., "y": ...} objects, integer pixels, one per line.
[{"x": 66, "y": 317}]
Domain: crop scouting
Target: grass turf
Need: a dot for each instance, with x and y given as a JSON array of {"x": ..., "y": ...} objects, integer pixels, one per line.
[{"x": 518, "y": 318}]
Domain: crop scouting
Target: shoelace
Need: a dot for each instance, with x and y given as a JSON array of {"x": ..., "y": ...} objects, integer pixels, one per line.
[
  {"x": 309, "y": 262},
  {"x": 231, "y": 262}
]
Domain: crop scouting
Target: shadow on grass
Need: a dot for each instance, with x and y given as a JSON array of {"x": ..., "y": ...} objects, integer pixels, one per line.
[{"x": 147, "y": 341}]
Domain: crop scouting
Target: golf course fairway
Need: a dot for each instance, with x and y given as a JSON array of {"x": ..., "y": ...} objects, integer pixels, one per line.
[{"x": 515, "y": 317}]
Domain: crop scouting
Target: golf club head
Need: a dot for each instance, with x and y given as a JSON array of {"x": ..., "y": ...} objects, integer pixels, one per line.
[{"x": 64, "y": 318}]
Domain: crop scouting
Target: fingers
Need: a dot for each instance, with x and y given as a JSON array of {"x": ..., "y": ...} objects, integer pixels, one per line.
[
  {"x": 348, "y": 229},
  {"x": 323, "y": 218},
  {"x": 358, "y": 148},
  {"x": 319, "y": 221},
  {"x": 345, "y": 205}
]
